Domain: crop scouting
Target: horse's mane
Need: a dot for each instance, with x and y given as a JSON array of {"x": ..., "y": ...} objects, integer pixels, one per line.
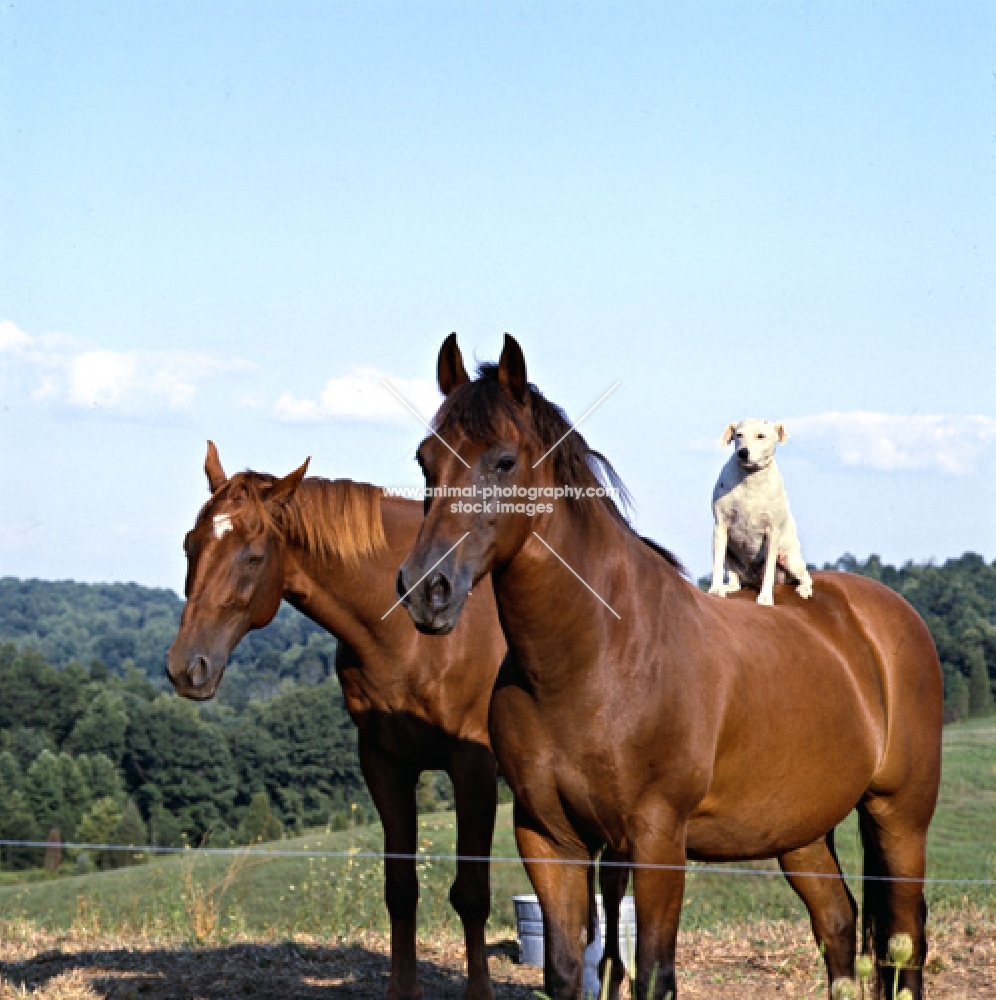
[
  {"x": 483, "y": 411},
  {"x": 328, "y": 518}
]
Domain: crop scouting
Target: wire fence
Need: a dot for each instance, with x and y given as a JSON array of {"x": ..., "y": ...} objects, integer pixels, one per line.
[{"x": 698, "y": 868}]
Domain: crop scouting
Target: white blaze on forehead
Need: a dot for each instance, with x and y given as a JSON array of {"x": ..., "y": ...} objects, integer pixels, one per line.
[{"x": 222, "y": 523}]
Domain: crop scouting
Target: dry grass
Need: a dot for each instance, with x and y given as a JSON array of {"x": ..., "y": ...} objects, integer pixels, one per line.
[{"x": 752, "y": 962}]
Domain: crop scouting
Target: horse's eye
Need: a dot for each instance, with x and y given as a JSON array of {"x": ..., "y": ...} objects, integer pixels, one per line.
[
  {"x": 505, "y": 464},
  {"x": 253, "y": 556}
]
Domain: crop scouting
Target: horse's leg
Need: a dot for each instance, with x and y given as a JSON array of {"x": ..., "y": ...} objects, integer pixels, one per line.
[
  {"x": 658, "y": 885},
  {"x": 560, "y": 877},
  {"x": 473, "y": 771},
  {"x": 393, "y": 792},
  {"x": 613, "y": 876},
  {"x": 814, "y": 873},
  {"x": 895, "y": 856}
]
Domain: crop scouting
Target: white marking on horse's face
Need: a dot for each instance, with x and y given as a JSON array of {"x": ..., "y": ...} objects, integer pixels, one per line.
[{"x": 222, "y": 524}]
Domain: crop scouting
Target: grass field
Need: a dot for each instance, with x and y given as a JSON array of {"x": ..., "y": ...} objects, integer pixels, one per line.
[{"x": 202, "y": 898}]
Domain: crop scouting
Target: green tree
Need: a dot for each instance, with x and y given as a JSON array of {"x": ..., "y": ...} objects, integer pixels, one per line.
[
  {"x": 103, "y": 777},
  {"x": 102, "y": 728},
  {"x": 26, "y": 744},
  {"x": 130, "y": 830},
  {"x": 17, "y": 822},
  {"x": 43, "y": 791},
  {"x": 956, "y": 696},
  {"x": 76, "y": 794},
  {"x": 980, "y": 695},
  {"x": 259, "y": 825},
  {"x": 312, "y": 766},
  {"x": 98, "y": 826},
  {"x": 180, "y": 762},
  {"x": 11, "y": 774},
  {"x": 164, "y": 828}
]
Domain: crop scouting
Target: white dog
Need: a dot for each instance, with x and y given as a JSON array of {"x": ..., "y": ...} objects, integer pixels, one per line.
[{"x": 755, "y": 533}]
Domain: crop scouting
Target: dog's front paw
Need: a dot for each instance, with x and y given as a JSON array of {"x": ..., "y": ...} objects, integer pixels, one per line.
[
  {"x": 768, "y": 600},
  {"x": 718, "y": 590},
  {"x": 805, "y": 589}
]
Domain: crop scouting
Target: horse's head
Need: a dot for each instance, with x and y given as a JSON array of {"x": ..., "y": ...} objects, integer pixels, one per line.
[
  {"x": 235, "y": 572},
  {"x": 499, "y": 452}
]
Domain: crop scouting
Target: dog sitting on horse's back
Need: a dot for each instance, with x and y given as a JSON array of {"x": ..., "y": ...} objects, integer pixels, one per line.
[{"x": 755, "y": 538}]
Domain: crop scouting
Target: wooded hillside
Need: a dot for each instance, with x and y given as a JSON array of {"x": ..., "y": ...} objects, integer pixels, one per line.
[{"x": 94, "y": 742}]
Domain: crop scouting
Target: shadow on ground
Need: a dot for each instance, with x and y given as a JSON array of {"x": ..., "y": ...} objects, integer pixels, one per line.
[{"x": 266, "y": 972}]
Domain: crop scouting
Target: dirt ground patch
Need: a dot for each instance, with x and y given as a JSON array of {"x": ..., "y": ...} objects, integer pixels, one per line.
[{"x": 753, "y": 962}]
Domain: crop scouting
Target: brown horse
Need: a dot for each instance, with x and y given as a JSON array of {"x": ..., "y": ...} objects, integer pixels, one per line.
[
  {"x": 332, "y": 549},
  {"x": 644, "y": 716}
]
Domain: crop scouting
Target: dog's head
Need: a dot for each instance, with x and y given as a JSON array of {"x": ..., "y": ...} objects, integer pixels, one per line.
[{"x": 754, "y": 442}]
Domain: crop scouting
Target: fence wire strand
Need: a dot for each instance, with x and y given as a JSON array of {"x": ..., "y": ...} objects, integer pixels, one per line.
[{"x": 695, "y": 869}]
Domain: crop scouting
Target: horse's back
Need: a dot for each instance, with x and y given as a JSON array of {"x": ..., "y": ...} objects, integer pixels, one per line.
[{"x": 823, "y": 701}]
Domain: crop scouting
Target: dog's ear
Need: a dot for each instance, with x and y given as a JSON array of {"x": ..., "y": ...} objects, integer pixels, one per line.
[
  {"x": 728, "y": 434},
  {"x": 781, "y": 433}
]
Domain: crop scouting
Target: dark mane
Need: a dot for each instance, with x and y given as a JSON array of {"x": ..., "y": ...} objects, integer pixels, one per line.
[{"x": 483, "y": 411}]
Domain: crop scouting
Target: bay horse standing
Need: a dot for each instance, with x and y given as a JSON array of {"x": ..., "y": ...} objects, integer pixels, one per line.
[
  {"x": 645, "y": 716},
  {"x": 332, "y": 549}
]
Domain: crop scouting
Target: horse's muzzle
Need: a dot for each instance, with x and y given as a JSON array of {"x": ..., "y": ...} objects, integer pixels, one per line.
[
  {"x": 192, "y": 676},
  {"x": 435, "y": 602}
]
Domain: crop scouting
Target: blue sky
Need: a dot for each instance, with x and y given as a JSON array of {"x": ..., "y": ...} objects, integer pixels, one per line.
[{"x": 232, "y": 220}]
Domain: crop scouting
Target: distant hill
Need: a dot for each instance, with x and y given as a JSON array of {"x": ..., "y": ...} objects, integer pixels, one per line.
[
  {"x": 92, "y": 734},
  {"x": 123, "y": 625}
]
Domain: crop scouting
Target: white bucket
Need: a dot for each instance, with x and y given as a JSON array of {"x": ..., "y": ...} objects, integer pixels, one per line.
[{"x": 529, "y": 924}]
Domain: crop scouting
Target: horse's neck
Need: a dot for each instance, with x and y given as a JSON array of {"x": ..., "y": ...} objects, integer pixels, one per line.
[
  {"x": 350, "y": 599},
  {"x": 543, "y": 605},
  {"x": 547, "y": 611}
]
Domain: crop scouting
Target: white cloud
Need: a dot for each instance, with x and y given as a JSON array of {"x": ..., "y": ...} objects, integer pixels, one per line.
[
  {"x": 100, "y": 378},
  {"x": 362, "y": 395},
  {"x": 13, "y": 340},
  {"x": 889, "y": 442},
  {"x": 58, "y": 369}
]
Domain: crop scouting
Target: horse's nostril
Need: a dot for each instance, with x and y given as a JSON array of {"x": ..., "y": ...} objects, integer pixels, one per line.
[
  {"x": 199, "y": 671},
  {"x": 439, "y": 591},
  {"x": 399, "y": 585}
]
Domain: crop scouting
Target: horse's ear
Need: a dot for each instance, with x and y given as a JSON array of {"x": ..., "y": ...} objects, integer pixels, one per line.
[
  {"x": 512, "y": 369},
  {"x": 781, "y": 433},
  {"x": 283, "y": 489},
  {"x": 728, "y": 432},
  {"x": 450, "y": 372},
  {"x": 212, "y": 468}
]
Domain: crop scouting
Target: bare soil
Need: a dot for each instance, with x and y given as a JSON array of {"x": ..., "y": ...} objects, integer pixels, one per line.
[{"x": 753, "y": 962}]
